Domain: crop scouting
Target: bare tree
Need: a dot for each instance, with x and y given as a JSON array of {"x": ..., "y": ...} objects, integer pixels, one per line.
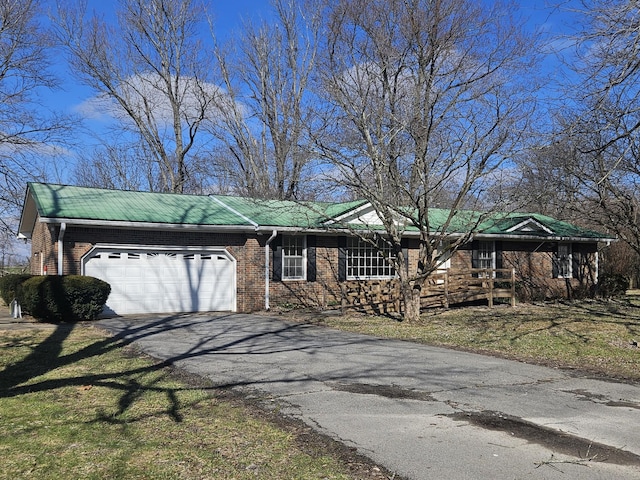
[
  {"x": 116, "y": 166},
  {"x": 603, "y": 120},
  {"x": 545, "y": 182},
  {"x": 428, "y": 98},
  {"x": 125, "y": 165},
  {"x": 150, "y": 73},
  {"x": 606, "y": 172},
  {"x": 267, "y": 112},
  {"x": 30, "y": 134}
]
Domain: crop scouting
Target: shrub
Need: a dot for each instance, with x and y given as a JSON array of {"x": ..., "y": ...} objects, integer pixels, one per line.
[
  {"x": 10, "y": 285},
  {"x": 64, "y": 298},
  {"x": 612, "y": 285},
  {"x": 87, "y": 295}
]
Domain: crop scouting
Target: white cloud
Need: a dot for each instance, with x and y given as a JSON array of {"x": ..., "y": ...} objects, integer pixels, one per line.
[{"x": 146, "y": 94}]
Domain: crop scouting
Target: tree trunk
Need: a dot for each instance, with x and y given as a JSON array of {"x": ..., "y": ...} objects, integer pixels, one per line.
[{"x": 411, "y": 302}]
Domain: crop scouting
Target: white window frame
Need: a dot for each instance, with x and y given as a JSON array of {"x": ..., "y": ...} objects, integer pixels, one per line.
[
  {"x": 486, "y": 257},
  {"x": 564, "y": 261},
  {"x": 367, "y": 262},
  {"x": 295, "y": 242},
  {"x": 486, "y": 261}
]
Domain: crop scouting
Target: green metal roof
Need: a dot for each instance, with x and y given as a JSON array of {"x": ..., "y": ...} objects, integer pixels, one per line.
[
  {"x": 81, "y": 203},
  {"x": 501, "y": 224},
  {"x": 287, "y": 213},
  {"x": 69, "y": 203}
]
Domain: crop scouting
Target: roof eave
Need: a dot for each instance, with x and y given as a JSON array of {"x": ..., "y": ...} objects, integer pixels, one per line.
[
  {"x": 28, "y": 216},
  {"x": 119, "y": 224},
  {"x": 549, "y": 238}
]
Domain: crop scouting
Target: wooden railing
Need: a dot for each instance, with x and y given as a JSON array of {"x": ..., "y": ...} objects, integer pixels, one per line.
[
  {"x": 440, "y": 290},
  {"x": 447, "y": 288}
]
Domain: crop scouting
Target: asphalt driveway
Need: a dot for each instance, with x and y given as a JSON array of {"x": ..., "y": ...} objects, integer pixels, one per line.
[{"x": 422, "y": 412}]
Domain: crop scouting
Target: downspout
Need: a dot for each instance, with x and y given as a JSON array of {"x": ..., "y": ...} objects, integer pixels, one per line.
[
  {"x": 63, "y": 229},
  {"x": 266, "y": 269}
]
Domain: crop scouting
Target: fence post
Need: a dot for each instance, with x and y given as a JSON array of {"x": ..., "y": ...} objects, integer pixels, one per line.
[
  {"x": 491, "y": 274},
  {"x": 446, "y": 288},
  {"x": 513, "y": 287}
]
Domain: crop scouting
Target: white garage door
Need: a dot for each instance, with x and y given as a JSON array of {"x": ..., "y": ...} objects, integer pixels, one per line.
[{"x": 158, "y": 281}]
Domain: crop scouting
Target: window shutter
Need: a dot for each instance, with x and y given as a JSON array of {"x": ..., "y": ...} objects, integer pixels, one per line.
[
  {"x": 499, "y": 263},
  {"x": 342, "y": 259},
  {"x": 475, "y": 247},
  {"x": 311, "y": 258},
  {"x": 554, "y": 262},
  {"x": 576, "y": 260},
  {"x": 405, "y": 253},
  {"x": 276, "y": 246}
]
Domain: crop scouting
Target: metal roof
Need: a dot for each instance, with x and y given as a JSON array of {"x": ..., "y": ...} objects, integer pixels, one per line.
[
  {"x": 75, "y": 203},
  {"x": 103, "y": 207},
  {"x": 94, "y": 206}
]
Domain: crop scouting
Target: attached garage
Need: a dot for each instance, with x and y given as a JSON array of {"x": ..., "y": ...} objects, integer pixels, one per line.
[{"x": 164, "y": 280}]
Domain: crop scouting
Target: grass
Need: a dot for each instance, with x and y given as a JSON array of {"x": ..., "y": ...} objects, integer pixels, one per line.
[
  {"x": 591, "y": 336},
  {"x": 75, "y": 403}
]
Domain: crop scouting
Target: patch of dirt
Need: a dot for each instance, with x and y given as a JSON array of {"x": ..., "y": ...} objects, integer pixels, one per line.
[
  {"x": 603, "y": 399},
  {"x": 582, "y": 449},
  {"x": 388, "y": 391}
]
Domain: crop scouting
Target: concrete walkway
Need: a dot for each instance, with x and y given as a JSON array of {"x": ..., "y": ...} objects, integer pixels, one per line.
[{"x": 422, "y": 412}]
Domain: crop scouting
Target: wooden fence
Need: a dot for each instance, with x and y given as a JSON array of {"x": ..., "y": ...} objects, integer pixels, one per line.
[{"x": 440, "y": 290}]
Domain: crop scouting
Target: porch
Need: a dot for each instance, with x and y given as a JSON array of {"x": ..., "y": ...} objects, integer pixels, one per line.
[{"x": 442, "y": 289}]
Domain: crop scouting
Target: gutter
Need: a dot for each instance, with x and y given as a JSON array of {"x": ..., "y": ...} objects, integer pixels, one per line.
[{"x": 63, "y": 229}]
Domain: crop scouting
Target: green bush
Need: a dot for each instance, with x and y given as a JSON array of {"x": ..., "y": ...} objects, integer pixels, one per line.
[
  {"x": 10, "y": 285},
  {"x": 64, "y": 298},
  {"x": 87, "y": 295}
]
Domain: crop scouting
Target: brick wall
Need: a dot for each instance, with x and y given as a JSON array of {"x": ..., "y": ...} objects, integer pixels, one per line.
[
  {"x": 532, "y": 262},
  {"x": 44, "y": 252},
  {"x": 325, "y": 291}
]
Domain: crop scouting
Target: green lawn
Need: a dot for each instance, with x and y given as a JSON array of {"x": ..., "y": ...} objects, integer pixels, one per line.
[
  {"x": 75, "y": 403},
  {"x": 591, "y": 336}
]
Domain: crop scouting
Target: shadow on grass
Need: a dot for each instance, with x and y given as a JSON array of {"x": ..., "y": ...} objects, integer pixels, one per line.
[
  {"x": 43, "y": 358},
  {"x": 47, "y": 356},
  {"x": 23, "y": 376}
]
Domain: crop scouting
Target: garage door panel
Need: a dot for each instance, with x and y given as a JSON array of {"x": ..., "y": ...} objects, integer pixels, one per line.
[{"x": 150, "y": 282}]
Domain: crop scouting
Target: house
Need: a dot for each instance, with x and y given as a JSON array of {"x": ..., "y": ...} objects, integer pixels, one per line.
[{"x": 166, "y": 252}]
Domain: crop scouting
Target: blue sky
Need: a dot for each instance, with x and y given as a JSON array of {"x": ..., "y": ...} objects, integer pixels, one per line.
[
  {"x": 553, "y": 17},
  {"x": 227, "y": 15}
]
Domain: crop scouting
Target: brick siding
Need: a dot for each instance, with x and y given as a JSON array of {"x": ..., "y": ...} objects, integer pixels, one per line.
[{"x": 533, "y": 263}]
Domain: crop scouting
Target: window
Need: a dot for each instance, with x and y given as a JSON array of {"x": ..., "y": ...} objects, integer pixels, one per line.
[
  {"x": 486, "y": 257},
  {"x": 364, "y": 261},
  {"x": 293, "y": 258},
  {"x": 563, "y": 261}
]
